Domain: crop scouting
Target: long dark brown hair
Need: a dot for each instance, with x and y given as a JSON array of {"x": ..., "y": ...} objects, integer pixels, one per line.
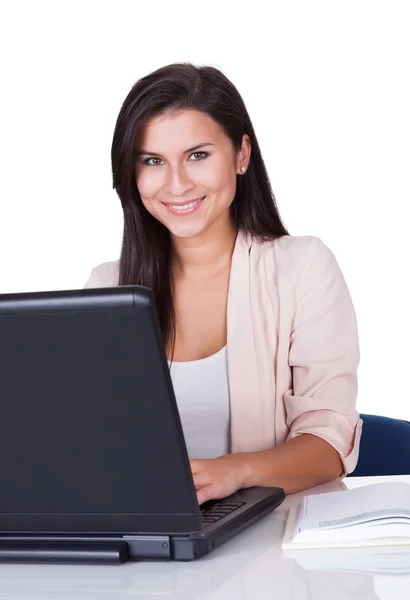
[{"x": 146, "y": 246}]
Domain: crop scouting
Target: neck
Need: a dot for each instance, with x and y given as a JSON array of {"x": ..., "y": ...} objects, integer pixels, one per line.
[{"x": 207, "y": 253}]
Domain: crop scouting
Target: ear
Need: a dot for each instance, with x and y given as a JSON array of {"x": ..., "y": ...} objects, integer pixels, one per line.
[{"x": 244, "y": 155}]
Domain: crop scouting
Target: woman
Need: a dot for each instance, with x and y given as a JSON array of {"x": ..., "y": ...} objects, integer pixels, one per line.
[{"x": 258, "y": 326}]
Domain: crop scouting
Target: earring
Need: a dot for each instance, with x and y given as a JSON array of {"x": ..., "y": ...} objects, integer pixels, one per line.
[{"x": 243, "y": 169}]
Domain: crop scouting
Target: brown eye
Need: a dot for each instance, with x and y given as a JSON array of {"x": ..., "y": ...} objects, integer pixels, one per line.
[
  {"x": 157, "y": 161},
  {"x": 199, "y": 155}
]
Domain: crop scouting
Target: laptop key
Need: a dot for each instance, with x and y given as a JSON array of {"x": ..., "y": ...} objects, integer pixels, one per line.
[{"x": 213, "y": 511}]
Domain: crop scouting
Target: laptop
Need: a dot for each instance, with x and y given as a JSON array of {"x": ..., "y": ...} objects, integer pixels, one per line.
[{"x": 93, "y": 461}]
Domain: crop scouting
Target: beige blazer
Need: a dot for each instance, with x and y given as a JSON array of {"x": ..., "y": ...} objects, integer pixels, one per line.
[{"x": 292, "y": 345}]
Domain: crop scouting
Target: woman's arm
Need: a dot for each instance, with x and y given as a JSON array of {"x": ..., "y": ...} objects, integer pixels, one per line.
[
  {"x": 323, "y": 423},
  {"x": 324, "y": 358},
  {"x": 298, "y": 464}
]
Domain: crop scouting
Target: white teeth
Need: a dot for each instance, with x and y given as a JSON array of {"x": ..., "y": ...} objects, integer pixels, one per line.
[{"x": 182, "y": 207}]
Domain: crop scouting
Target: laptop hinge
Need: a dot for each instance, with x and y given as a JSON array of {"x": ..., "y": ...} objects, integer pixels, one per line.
[{"x": 148, "y": 546}]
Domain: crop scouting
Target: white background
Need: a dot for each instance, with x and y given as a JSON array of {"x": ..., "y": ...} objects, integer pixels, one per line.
[{"x": 326, "y": 84}]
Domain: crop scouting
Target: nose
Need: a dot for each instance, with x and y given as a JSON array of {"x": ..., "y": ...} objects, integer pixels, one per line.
[{"x": 177, "y": 181}]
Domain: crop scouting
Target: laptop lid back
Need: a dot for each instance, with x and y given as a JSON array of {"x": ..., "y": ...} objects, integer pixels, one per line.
[{"x": 90, "y": 436}]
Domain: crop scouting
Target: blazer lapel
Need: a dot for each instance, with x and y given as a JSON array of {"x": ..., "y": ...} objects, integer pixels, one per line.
[{"x": 241, "y": 353}]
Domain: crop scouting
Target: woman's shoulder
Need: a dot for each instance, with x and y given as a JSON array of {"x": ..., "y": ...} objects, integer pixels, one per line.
[
  {"x": 104, "y": 275},
  {"x": 295, "y": 256},
  {"x": 290, "y": 248}
]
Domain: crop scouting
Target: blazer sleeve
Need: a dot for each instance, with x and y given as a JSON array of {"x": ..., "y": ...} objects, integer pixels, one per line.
[
  {"x": 105, "y": 275},
  {"x": 92, "y": 281},
  {"x": 324, "y": 358}
]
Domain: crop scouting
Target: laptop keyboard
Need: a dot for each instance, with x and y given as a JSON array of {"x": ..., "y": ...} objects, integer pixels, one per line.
[{"x": 213, "y": 510}]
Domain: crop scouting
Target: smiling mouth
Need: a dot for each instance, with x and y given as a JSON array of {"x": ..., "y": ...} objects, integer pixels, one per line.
[{"x": 184, "y": 208}]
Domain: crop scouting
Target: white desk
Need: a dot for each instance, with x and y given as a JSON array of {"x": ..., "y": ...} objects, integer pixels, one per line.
[{"x": 249, "y": 567}]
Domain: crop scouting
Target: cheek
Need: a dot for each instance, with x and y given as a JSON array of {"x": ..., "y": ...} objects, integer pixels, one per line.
[
  {"x": 148, "y": 183},
  {"x": 220, "y": 178}
]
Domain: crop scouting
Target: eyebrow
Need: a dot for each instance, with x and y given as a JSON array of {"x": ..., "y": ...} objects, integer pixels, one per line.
[{"x": 156, "y": 154}]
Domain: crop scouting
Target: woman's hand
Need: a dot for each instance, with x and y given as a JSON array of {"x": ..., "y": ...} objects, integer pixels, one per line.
[
  {"x": 216, "y": 478},
  {"x": 298, "y": 464}
]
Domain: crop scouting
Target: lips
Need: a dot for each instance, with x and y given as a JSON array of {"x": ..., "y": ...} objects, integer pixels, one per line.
[{"x": 185, "y": 208}]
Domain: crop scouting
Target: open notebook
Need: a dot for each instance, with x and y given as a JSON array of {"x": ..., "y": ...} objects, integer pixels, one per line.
[
  {"x": 377, "y": 514},
  {"x": 393, "y": 560}
]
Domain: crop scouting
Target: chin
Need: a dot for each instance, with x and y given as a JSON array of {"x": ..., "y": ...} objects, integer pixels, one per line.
[{"x": 185, "y": 231}]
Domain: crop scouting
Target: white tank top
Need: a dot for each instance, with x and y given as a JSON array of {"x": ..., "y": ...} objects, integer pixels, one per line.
[{"x": 202, "y": 395}]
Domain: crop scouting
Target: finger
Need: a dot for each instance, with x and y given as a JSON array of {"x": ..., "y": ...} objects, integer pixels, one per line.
[
  {"x": 199, "y": 464},
  {"x": 204, "y": 494},
  {"x": 201, "y": 479},
  {"x": 195, "y": 466}
]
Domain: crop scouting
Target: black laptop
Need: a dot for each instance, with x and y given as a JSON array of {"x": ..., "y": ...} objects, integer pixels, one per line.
[{"x": 93, "y": 462}]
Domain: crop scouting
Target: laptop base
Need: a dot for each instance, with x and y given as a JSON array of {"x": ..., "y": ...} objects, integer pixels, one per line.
[{"x": 66, "y": 552}]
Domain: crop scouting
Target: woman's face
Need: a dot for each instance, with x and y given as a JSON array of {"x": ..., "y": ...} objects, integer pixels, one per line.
[{"x": 186, "y": 171}]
